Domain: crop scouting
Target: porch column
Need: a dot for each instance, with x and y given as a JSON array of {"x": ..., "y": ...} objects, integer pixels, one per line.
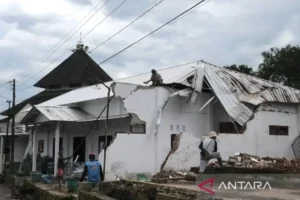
[
  {"x": 56, "y": 150},
  {"x": 34, "y": 155}
]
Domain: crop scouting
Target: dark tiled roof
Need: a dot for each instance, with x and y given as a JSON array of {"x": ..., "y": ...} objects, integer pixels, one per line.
[
  {"x": 37, "y": 99},
  {"x": 75, "y": 70}
]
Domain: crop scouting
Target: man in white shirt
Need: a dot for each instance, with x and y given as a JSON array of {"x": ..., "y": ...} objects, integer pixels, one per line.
[{"x": 209, "y": 150}]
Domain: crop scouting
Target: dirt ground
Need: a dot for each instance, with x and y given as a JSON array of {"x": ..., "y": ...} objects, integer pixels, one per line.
[
  {"x": 274, "y": 194},
  {"x": 4, "y": 192}
]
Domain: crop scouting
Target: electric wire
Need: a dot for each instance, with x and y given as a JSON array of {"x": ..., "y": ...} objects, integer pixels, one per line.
[
  {"x": 152, "y": 32},
  {"x": 43, "y": 59},
  {"x": 149, "y": 10},
  {"x": 72, "y": 45},
  {"x": 68, "y": 39}
]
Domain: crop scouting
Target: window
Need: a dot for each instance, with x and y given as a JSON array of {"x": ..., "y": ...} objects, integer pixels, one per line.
[
  {"x": 138, "y": 128},
  {"x": 173, "y": 137},
  {"x": 278, "y": 130},
  {"x": 230, "y": 127}
]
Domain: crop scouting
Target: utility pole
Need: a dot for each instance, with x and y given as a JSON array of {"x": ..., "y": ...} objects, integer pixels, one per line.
[
  {"x": 13, "y": 129},
  {"x": 7, "y": 129}
]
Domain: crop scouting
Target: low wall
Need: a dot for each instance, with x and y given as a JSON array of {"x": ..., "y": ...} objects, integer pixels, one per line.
[
  {"x": 135, "y": 190},
  {"x": 45, "y": 192}
]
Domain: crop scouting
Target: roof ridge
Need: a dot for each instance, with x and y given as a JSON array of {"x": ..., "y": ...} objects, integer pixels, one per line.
[{"x": 158, "y": 70}]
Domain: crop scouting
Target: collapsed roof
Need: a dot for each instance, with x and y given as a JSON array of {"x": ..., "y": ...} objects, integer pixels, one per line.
[{"x": 233, "y": 89}]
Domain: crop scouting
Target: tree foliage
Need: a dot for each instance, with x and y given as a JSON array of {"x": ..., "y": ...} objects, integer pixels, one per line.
[
  {"x": 242, "y": 68},
  {"x": 281, "y": 65}
]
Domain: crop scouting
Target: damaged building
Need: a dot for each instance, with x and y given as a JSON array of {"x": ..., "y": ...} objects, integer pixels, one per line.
[{"x": 151, "y": 128}]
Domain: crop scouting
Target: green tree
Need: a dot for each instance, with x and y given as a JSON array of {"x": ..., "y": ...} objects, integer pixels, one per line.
[
  {"x": 242, "y": 68},
  {"x": 281, "y": 65}
]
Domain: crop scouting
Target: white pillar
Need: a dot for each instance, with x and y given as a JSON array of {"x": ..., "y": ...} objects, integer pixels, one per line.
[
  {"x": 34, "y": 155},
  {"x": 56, "y": 150}
]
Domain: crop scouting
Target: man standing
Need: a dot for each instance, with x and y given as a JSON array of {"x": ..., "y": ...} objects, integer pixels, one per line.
[
  {"x": 209, "y": 150},
  {"x": 93, "y": 170},
  {"x": 155, "y": 78}
]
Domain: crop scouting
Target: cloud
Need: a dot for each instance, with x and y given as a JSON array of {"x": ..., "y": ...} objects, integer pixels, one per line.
[
  {"x": 81, "y": 2},
  {"x": 221, "y": 32}
]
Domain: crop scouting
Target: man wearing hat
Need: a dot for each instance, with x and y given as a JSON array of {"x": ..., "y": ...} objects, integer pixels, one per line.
[
  {"x": 209, "y": 150},
  {"x": 93, "y": 170}
]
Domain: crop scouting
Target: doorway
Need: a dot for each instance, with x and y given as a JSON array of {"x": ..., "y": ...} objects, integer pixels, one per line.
[
  {"x": 79, "y": 148},
  {"x": 102, "y": 141},
  {"x": 60, "y": 146}
]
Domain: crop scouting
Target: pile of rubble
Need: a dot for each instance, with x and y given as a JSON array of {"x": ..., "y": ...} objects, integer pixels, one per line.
[
  {"x": 167, "y": 176},
  {"x": 242, "y": 160},
  {"x": 172, "y": 176}
]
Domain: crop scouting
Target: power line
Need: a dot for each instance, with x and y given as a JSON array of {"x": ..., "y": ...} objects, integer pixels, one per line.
[
  {"x": 43, "y": 59},
  {"x": 181, "y": 14},
  {"x": 72, "y": 45},
  {"x": 70, "y": 37},
  {"x": 128, "y": 25},
  {"x": 105, "y": 18},
  {"x": 191, "y": 11},
  {"x": 4, "y": 97}
]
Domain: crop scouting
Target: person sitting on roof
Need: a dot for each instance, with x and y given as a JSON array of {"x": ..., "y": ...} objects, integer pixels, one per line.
[{"x": 155, "y": 78}]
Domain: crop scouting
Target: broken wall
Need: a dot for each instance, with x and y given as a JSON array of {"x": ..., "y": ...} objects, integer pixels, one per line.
[
  {"x": 179, "y": 116},
  {"x": 135, "y": 153},
  {"x": 256, "y": 140}
]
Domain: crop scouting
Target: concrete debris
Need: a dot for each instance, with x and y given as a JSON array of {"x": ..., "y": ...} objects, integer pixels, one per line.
[
  {"x": 242, "y": 160},
  {"x": 172, "y": 176}
]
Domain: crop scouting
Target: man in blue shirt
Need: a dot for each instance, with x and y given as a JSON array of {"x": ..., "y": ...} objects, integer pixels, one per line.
[{"x": 93, "y": 170}]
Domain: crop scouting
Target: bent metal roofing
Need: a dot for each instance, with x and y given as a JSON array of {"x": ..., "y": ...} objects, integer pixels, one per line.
[{"x": 232, "y": 88}]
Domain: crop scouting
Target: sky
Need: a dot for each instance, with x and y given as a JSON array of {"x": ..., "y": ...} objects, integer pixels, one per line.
[{"x": 221, "y": 32}]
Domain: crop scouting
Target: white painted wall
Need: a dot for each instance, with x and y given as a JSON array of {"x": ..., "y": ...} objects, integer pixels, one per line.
[
  {"x": 145, "y": 153},
  {"x": 185, "y": 118},
  {"x": 94, "y": 107},
  {"x": 256, "y": 139}
]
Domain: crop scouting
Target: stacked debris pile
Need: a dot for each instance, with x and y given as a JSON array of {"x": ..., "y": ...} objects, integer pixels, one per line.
[{"x": 242, "y": 160}]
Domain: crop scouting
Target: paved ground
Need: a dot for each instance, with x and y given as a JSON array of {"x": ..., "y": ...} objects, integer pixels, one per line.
[{"x": 4, "y": 192}]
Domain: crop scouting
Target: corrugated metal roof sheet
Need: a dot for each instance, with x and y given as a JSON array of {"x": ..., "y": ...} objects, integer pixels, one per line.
[
  {"x": 176, "y": 74},
  {"x": 254, "y": 90},
  {"x": 63, "y": 113},
  {"x": 231, "y": 87}
]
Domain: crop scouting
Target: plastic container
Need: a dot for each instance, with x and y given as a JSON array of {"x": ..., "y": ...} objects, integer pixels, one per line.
[
  {"x": 72, "y": 185},
  {"x": 143, "y": 178},
  {"x": 36, "y": 176}
]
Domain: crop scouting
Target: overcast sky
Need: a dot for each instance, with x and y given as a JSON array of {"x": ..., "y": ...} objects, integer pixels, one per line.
[{"x": 221, "y": 32}]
